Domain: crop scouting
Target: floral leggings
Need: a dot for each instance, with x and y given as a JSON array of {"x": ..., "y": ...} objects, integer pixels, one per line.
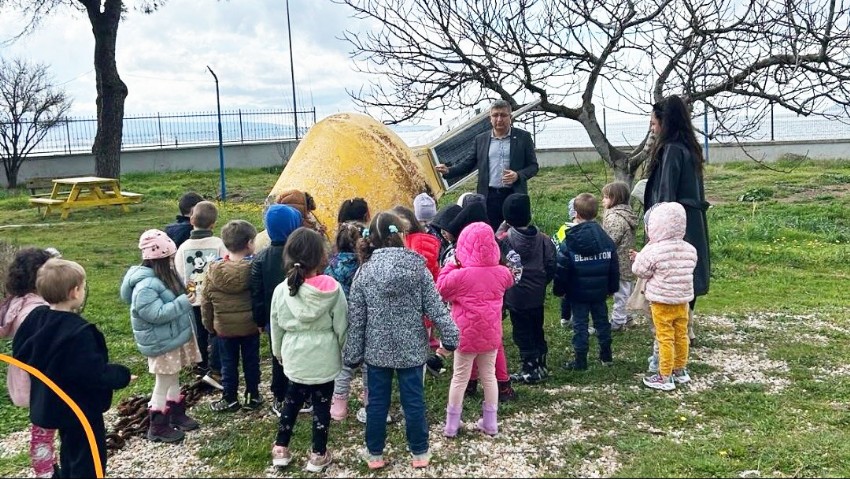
[
  {"x": 42, "y": 451},
  {"x": 296, "y": 394}
]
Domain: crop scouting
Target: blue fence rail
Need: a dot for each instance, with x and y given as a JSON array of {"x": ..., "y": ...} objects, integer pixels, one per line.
[{"x": 76, "y": 135}]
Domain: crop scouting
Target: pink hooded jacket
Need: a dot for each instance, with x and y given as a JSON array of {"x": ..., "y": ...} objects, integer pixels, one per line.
[
  {"x": 667, "y": 262},
  {"x": 475, "y": 289},
  {"x": 17, "y": 310}
]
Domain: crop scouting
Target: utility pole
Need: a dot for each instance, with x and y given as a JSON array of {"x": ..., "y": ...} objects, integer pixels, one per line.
[
  {"x": 220, "y": 139},
  {"x": 292, "y": 72}
]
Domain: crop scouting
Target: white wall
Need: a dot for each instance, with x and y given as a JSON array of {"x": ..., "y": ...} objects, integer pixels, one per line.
[
  {"x": 200, "y": 158},
  {"x": 255, "y": 155}
]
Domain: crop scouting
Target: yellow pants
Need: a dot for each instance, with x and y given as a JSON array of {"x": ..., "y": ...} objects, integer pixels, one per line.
[{"x": 671, "y": 332}]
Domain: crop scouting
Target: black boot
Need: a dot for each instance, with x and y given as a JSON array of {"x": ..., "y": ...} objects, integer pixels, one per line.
[
  {"x": 177, "y": 416},
  {"x": 531, "y": 371},
  {"x": 580, "y": 363},
  {"x": 605, "y": 355},
  {"x": 506, "y": 392},
  {"x": 160, "y": 429}
]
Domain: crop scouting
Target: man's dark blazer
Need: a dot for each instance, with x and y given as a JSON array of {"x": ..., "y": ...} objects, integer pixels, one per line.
[{"x": 523, "y": 161}]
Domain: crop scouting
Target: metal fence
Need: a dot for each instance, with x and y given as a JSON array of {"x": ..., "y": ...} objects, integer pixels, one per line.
[{"x": 76, "y": 135}]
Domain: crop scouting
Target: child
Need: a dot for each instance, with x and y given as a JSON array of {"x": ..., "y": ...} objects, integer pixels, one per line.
[
  {"x": 72, "y": 352},
  {"x": 180, "y": 230},
  {"x": 531, "y": 255},
  {"x": 226, "y": 309},
  {"x": 354, "y": 209},
  {"x": 191, "y": 262},
  {"x": 441, "y": 223},
  {"x": 266, "y": 273},
  {"x": 161, "y": 315},
  {"x": 21, "y": 299},
  {"x": 475, "y": 284},
  {"x": 308, "y": 323},
  {"x": 341, "y": 267},
  {"x": 667, "y": 262},
  {"x": 425, "y": 209},
  {"x": 428, "y": 246},
  {"x": 566, "y": 312},
  {"x": 620, "y": 222},
  {"x": 389, "y": 296},
  {"x": 588, "y": 271}
]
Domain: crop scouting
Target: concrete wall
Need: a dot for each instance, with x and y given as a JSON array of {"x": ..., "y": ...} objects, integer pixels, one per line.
[
  {"x": 767, "y": 151},
  {"x": 255, "y": 155},
  {"x": 199, "y": 158}
]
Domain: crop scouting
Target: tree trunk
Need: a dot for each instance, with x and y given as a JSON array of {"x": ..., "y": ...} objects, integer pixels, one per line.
[
  {"x": 611, "y": 156},
  {"x": 111, "y": 91},
  {"x": 12, "y": 168}
]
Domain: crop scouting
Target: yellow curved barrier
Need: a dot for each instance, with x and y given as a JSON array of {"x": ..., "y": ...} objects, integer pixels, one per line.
[
  {"x": 95, "y": 454},
  {"x": 350, "y": 155}
]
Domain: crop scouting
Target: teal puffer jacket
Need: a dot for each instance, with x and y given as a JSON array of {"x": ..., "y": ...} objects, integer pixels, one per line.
[{"x": 161, "y": 320}]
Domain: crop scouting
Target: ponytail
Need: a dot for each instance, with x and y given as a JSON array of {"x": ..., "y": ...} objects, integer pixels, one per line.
[
  {"x": 303, "y": 254},
  {"x": 295, "y": 277}
]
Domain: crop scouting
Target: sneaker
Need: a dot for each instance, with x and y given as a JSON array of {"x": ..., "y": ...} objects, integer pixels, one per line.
[
  {"x": 373, "y": 461},
  {"x": 607, "y": 364},
  {"x": 361, "y": 416},
  {"x": 420, "y": 461},
  {"x": 532, "y": 377},
  {"x": 318, "y": 462},
  {"x": 681, "y": 376},
  {"x": 434, "y": 365},
  {"x": 198, "y": 371},
  {"x": 652, "y": 368},
  {"x": 281, "y": 456},
  {"x": 277, "y": 407},
  {"x": 213, "y": 379},
  {"x": 618, "y": 328},
  {"x": 574, "y": 366},
  {"x": 591, "y": 330},
  {"x": 252, "y": 402},
  {"x": 659, "y": 382},
  {"x": 307, "y": 408},
  {"x": 223, "y": 405},
  {"x": 566, "y": 323}
]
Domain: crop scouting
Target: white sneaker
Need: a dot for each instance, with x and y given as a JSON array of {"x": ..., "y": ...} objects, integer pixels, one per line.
[
  {"x": 659, "y": 382},
  {"x": 681, "y": 376},
  {"x": 361, "y": 416},
  {"x": 566, "y": 323},
  {"x": 306, "y": 409}
]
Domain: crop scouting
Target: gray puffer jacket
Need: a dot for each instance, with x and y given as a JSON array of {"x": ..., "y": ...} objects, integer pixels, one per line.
[
  {"x": 389, "y": 296},
  {"x": 620, "y": 222}
]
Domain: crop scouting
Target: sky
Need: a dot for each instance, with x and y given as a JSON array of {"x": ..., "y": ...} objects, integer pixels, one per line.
[{"x": 163, "y": 57}]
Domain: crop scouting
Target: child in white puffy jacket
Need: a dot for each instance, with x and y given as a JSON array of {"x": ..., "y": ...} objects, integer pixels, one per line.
[{"x": 667, "y": 263}]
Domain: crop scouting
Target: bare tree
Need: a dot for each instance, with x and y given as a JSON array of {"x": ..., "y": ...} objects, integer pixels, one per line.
[
  {"x": 104, "y": 16},
  {"x": 731, "y": 57},
  {"x": 30, "y": 105}
]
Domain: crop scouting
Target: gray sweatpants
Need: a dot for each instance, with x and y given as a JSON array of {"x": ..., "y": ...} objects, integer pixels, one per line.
[{"x": 342, "y": 383}]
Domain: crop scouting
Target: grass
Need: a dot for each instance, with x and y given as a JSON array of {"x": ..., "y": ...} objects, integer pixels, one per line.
[{"x": 770, "y": 381}]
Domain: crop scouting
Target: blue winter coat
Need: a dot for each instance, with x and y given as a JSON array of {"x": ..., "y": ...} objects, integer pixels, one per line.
[
  {"x": 588, "y": 270},
  {"x": 161, "y": 320},
  {"x": 342, "y": 267}
]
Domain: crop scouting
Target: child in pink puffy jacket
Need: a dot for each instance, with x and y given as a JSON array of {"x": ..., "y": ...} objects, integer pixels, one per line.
[
  {"x": 667, "y": 263},
  {"x": 21, "y": 299},
  {"x": 475, "y": 283}
]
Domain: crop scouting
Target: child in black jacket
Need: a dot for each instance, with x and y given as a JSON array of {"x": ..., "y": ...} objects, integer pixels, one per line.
[
  {"x": 588, "y": 272},
  {"x": 72, "y": 353}
]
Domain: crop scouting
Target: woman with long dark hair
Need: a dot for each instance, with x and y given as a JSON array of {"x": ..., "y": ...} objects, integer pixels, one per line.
[{"x": 675, "y": 173}]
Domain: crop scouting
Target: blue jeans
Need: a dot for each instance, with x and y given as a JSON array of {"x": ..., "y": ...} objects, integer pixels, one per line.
[
  {"x": 412, "y": 394},
  {"x": 248, "y": 347},
  {"x": 599, "y": 312}
]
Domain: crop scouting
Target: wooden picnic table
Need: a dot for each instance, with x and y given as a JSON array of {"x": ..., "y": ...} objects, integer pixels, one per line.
[{"x": 85, "y": 192}]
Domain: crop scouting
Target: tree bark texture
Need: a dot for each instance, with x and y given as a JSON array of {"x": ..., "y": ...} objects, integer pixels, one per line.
[{"x": 111, "y": 90}]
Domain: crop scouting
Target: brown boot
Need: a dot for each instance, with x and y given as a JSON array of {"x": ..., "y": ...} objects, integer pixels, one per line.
[
  {"x": 506, "y": 392},
  {"x": 160, "y": 430},
  {"x": 177, "y": 416}
]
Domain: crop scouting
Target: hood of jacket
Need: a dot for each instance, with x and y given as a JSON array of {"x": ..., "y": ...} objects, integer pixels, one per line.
[
  {"x": 310, "y": 303},
  {"x": 134, "y": 276},
  {"x": 389, "y": 259},
  {"x": 231, "y": 277},
  {"x": 587, "y": 240},
  {"x": 523, "y": 240},
  {"x": 14, "y": 310},
  {"x": 281, "y": 221},
  {"x": 477, "y": 246},
  {"x": 625, "y": 212},
  {"x": 666, "y": 221}
]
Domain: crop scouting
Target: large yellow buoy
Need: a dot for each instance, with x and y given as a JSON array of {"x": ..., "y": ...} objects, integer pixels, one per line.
[{"x": 350, "y": 155}]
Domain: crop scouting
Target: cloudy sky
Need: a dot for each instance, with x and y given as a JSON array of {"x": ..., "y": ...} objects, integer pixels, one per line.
[{"x": 163, "y": 56}]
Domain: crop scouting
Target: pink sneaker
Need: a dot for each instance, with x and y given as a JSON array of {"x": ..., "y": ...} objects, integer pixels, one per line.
[
  {"x": 339, "y": 407},
  {"x": 420, "y": 461},
  {"x": 373, "y": 461},
  {"x": 281, "y": 456}
]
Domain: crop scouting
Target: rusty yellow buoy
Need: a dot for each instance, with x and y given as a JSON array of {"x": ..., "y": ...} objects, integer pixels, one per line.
[{"x": 350, "y": 155}]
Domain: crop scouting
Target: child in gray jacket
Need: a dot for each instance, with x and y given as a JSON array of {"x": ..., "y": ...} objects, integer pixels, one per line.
[{"x": 389, "y": 296}]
